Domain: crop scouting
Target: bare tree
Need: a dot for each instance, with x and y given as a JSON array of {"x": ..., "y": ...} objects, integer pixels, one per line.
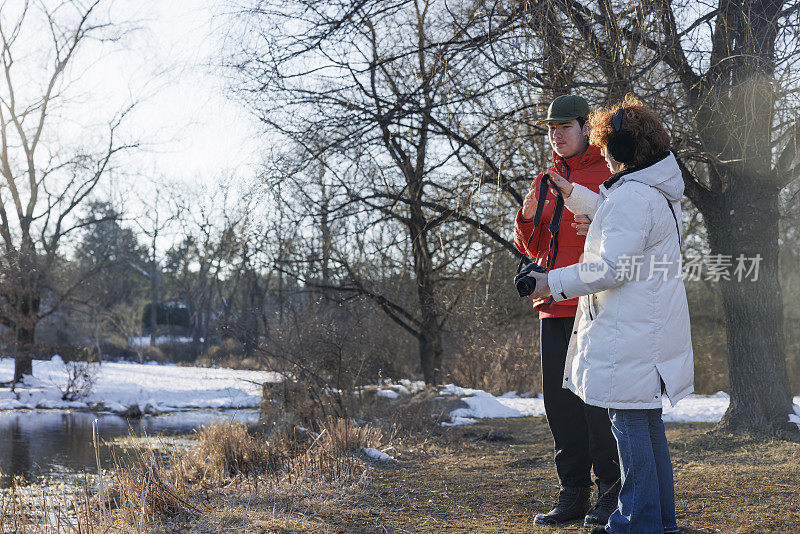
[
  {"x": 43, "y": 184},
  {"x": 372, "y": 92},
  {"x": 733, "y": 116},
  {"x": 157, "y": 222},
  {"x": 724, "y": 75}
]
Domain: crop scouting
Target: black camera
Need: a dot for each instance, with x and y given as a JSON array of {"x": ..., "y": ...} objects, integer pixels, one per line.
[{"x": 525, "y": 284}]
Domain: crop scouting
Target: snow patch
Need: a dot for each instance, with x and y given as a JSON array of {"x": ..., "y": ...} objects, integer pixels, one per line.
[
  {"x": 458, "y": 421},
  {"x": 375, "y": 454},
  {"x": 144, "y": 341},
  {"x": 483, "y": 405},
  {"x": 166, "y": 388},
  {"x": 391, "y": 390},
  {"x": 451, "y": 389},
  {"x": 795, "y": 417}
]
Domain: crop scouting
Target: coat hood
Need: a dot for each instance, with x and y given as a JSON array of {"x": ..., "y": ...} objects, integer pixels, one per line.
[{"x": 663, "y": 174}]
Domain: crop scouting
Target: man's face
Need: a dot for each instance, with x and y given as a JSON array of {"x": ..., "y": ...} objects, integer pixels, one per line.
[{"x": 567, "y": 138}]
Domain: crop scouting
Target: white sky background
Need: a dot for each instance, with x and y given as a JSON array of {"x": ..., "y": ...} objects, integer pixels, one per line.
[
  {"x": 199, "y": 135},
  {"x": 192, "y": 134}
]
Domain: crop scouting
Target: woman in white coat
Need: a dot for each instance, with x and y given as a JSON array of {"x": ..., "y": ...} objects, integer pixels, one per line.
[{"x": 632, "y": 343}]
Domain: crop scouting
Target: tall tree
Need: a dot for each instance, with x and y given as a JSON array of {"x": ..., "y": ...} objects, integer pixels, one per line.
[
  {"x": 115, "y": 259},
  {"x": 368, "y": 89},
  {"x": 44, "y": 184},
  {"x": 725, "y": 77}
]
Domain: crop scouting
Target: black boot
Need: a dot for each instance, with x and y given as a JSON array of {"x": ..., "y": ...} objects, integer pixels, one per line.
[
  {"x": 607, "y": 497},
  {"x": 572, "y": 504},
  {"x": 599, "y": 530}
]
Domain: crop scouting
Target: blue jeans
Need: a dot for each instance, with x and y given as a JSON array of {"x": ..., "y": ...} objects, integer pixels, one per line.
[{"x": 647, "y": 498}]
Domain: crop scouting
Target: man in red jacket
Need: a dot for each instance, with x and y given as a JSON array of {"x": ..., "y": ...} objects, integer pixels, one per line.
[{"x": 581, "y": 433}]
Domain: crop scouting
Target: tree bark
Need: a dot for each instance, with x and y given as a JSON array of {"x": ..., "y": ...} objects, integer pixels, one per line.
[
  {"x": 154, "y": 300},
  {"x": 26, "y": 301},
  {"x": 23, "y": 359},
  {"x": 736, "y": 104},
  {"x": 746, "y": 225},
  {"x": 430, "y": 334}
]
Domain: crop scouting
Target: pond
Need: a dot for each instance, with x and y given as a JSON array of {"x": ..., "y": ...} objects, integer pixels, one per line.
[{"x": 39, "y": 444}]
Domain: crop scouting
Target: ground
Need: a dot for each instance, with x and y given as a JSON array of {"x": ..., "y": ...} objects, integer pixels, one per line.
[
  {"x": 723, "y": 484},
  {"x": 455, "y": 481}
]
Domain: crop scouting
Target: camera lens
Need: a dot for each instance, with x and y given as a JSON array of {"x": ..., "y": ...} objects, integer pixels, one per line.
[{"x": 525, "y": 286}]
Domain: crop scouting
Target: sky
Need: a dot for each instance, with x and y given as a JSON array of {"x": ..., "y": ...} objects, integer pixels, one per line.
[
  {"x": 199, "y": 133},
  {"x": 191, "y": 132}
]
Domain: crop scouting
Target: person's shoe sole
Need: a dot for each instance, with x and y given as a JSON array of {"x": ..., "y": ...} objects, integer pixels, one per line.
[{"x": 547, "y": 522}]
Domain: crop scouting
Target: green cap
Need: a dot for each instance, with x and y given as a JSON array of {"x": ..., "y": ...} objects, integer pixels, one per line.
[{"x": 566, "y": 108}]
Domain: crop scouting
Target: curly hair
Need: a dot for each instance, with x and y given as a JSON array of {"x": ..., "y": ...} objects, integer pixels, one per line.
[{"x": 639, "y": 120}]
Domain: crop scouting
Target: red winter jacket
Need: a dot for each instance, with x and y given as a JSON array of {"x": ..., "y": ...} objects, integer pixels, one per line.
[{"x": 588, "y": 169}]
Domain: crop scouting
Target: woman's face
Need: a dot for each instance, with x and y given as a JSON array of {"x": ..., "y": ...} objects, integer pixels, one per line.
[{"x": 613, "y": 165}]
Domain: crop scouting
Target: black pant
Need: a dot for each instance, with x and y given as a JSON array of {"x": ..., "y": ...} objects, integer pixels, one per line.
[{"x": 582, "y": 433}]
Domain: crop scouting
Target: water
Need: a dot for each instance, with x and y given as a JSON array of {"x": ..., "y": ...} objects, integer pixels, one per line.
[{"x": 38, "y": 444}]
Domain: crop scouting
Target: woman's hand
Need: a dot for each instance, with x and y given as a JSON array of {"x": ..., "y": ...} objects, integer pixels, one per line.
[
  {"x": 581, "y": 224},
  {"x": 562, "y": 183},
  {"x": 542, "y": 288}
]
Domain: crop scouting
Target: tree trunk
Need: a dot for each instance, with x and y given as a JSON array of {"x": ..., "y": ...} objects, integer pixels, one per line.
[
  {"x": 154, "y": 298},
  {"x": 430, "y": 332},
  {"x": 430, "y": 354},
  {"x": 746, "y": 224},
  {"x": 23, "y": 358}
]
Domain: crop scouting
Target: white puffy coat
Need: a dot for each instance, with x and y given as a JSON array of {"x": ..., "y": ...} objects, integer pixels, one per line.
[{"x": 632, "y": 331}]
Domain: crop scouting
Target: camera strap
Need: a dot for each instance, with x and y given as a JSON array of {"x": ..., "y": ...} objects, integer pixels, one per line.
[{"x": 555, "y": 222}]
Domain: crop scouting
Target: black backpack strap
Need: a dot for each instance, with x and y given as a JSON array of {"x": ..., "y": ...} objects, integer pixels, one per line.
[
  {"x": 544, "y": 188},
  {"x": 555, "y": 225}
]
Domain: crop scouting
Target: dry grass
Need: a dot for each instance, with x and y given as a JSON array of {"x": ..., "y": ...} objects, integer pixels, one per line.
[
  {"x": 215, "y": 485},
  {"x": 227, "y": 450},
  {"x": 151, "y": 483},
  {"x": 461, "y": 483},
  {"x": 229, "y": 467},
  {"x": 232, "y": 479},
  {"x": 39, "y": 510}
]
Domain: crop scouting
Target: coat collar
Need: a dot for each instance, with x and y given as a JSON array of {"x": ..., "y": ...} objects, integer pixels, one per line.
[{"x": 587, "y": 158}]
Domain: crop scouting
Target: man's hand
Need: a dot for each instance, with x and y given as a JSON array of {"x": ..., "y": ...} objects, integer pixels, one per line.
[
  {"x": 581, "y": 224},
  {"x": 542, "y": 288},
  {"x": 562, "y": 183},
  {"x": 529, "y": 205}
]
